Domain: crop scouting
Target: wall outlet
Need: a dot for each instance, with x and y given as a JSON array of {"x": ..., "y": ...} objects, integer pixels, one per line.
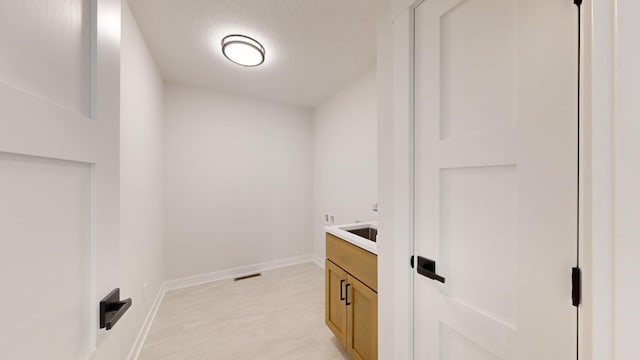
[{"x": 329, "y": 219}]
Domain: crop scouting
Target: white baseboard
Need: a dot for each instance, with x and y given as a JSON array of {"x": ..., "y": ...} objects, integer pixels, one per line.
[
  {"x": 146, "y": 326},
  {"x": 318, "y": 260},
  {"x": 235, "y": 272}
]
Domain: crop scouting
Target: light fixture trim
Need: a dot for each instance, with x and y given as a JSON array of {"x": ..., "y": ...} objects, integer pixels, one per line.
[{"x": 248, "y": 43}]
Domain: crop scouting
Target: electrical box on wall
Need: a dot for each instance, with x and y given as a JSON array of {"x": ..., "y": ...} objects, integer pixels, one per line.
[{"x": 329, "y": 219}]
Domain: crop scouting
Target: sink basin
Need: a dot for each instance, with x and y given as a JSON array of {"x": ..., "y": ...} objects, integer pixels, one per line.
[
  {"x": 368, "y": 233},
  {"x": 361, "y": 234}
]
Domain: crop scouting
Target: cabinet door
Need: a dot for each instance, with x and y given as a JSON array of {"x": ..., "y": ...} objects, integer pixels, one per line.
[
  {"x": 335, "y": 309},
  {"x": 362, "y": 320}
]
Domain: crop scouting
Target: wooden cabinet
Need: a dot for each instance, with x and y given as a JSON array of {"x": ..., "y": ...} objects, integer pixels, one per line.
[
  {"x": 351, "y": 310},
  {"x": 360, "y": 263},
  {"x": 335, "y": 308},
  {"x": 362, "y": 320}
]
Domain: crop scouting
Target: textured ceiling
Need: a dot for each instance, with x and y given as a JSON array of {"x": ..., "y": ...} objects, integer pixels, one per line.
[{"x": 313, "y": 47}]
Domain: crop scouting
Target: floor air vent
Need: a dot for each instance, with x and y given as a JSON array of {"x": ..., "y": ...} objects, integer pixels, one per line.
[{"x": 247, "y": 277}]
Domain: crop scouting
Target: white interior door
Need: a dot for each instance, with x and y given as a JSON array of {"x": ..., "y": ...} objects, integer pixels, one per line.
[
  {"x": 495, "y": 178},
  {"x": 59, "y": 126}
]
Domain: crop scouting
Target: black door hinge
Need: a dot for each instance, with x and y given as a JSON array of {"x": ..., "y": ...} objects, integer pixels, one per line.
[
  {"x": 411, "y": 261},
  {"x": 576, "y": 286}
]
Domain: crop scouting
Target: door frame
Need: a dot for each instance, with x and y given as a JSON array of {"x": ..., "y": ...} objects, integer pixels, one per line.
[{"x": 596, "y": 315}]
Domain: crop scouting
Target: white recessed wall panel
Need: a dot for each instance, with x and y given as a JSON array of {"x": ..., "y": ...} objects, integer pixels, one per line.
[
  {"x": 45, "y": 257},
  {"x": 45, "y": 47},
  {"x": 477, "y": 67},
  {"x": 478, "y": 209}
]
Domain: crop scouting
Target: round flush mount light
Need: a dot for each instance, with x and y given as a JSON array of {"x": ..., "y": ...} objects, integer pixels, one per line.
[{"x": 243, "y": 50}]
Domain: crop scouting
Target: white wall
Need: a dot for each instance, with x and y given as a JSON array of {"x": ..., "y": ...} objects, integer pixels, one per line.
[
  {"x": 141, "y": 179},
  {"x": 238, "y": 181},
  {"x": 345, "y": 177}
]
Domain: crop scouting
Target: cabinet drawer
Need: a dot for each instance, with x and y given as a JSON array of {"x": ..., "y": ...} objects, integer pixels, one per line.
[{"x": 359, "y": 263}]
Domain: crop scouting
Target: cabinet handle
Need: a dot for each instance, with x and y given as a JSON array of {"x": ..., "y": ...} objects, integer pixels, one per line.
[
  {"x": 341, "y": 296},
  {"x": 346, "y": 290}
]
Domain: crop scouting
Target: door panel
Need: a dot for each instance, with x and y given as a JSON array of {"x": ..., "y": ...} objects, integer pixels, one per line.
[
  {"x": 335, "y": 309},
  {"x": 45, "y": 257},
  {"x": 53, "y": 35},
  {"x": 480, "y": 98},
  {"x": 495, "y": 169},
  {"x": 362, "y": 323},
  {"x": 488, "y": 286}
]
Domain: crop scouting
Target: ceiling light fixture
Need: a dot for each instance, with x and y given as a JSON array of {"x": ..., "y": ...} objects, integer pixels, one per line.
[{"x": 243, "y": 50}]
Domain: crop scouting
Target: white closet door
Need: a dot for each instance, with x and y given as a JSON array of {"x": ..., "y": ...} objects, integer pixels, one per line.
[
  {"x": 495, "y": 178},
  {"x": 59, "y": 126}
]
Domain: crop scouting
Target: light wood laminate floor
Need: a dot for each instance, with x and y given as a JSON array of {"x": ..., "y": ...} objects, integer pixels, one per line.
[{"x": 279, "y": 315}]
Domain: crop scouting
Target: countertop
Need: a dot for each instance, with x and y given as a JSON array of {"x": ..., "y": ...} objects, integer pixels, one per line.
[{"x": 341, "y": 232}]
